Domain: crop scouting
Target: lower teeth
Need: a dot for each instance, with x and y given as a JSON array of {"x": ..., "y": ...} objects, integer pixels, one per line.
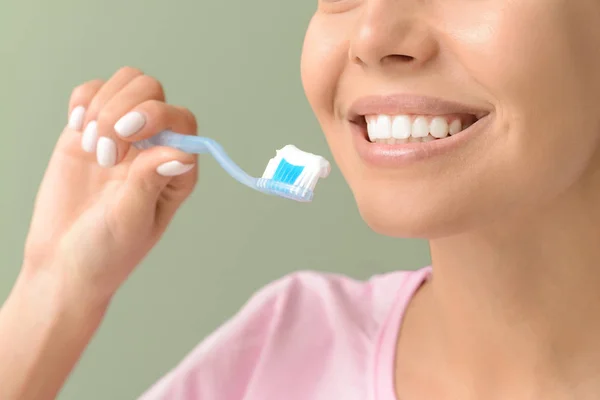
[{"x": 411, "y": 139}]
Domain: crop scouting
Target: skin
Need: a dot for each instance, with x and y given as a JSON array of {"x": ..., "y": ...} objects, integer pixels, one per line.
[
  {"x": 103, "y": 222},
  {"x": 511, "y": 215}
]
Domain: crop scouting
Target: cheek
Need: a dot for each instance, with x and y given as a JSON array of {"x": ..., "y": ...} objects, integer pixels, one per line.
[
  {"x": 324, "y": 59},
  {"x": 320, "y": 67},
  {"x": 539, "y": 79}
]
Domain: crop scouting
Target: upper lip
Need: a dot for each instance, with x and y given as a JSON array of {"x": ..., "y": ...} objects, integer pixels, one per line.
[{"x": 399, "y": 104}]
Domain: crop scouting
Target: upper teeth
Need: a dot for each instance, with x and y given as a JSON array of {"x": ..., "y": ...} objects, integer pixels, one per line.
[{"x": 403, "y": 127}]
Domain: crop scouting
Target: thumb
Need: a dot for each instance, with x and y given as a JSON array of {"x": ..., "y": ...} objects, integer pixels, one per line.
[{"x": 158, "y": 181}]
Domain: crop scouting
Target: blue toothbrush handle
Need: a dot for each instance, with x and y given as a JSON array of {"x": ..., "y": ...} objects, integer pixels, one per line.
[
  {"x": 199, "y": 145},
  {"x": 186, "y": 143}
]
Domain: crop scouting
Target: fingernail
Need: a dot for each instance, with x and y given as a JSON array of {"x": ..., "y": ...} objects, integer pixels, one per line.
[
  {"x": 106, "y": 152},
  {"x": 90, "y": 137},
  {"x": 173, "y": 168},
  {"x": 130, "y": 124},
  {"x": 76, "y": 118}
]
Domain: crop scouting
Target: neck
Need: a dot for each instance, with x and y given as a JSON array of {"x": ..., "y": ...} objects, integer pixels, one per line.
[{"x": 524, "y": 291}]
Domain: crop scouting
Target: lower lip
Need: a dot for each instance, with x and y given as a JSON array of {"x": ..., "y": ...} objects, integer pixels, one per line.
[{"x": 398, "y": 155}]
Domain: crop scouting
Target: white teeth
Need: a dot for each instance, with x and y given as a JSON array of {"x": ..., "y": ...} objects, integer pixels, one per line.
[
  {"x": 438, "y": 128},
  {"x": 384, "y": 126},
  {"x": 405, "y": 128},
  {"x": 401, "y": 127},
  {"x": 455, "y": 127},
  {"x": 420, "y": 127},
  {"x": 379, "y": 127}
]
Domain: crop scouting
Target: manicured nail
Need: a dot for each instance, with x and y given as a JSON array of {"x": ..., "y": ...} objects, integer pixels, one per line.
[
  {"x": 130, "y": 124},
  {"x": 76, "y": 118},
  {"x": 90, "y": 137},
  {"x": 106, "y": 152},
  {"x": 173, "y": 168}
]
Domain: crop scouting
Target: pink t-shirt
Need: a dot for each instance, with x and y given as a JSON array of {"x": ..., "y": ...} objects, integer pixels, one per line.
[{"x": 307, "y": 336}]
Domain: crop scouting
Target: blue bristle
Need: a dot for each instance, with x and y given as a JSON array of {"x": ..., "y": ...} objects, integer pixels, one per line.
[{"x": 287, "y": 173}]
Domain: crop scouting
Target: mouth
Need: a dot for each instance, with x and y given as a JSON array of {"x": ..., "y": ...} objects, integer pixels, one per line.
[
  {"x": 410, "y": 128},
  {"x": 394, "y": 129},
  {"x": 402, "y": 119}
]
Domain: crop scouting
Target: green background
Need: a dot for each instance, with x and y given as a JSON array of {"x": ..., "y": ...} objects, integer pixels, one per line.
[{"x": 236, "y": 65}]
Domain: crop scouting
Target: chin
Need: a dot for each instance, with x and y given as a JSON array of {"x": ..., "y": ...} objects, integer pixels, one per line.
[{"x": 399, "y": 214}]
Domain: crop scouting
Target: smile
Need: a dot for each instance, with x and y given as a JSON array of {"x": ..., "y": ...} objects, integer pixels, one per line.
[
  {"x": 400, "y": 129},
  {"x": 395, "y": 130}
]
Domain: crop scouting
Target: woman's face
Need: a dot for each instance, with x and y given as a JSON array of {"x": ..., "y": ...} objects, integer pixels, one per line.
[{"x": 518, "y": 80}]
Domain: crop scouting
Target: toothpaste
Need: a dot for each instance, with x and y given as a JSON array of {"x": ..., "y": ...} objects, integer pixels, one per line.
[{"x": 314, "y": 166}]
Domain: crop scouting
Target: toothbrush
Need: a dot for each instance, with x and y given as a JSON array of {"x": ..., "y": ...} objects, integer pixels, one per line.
[{"x": 291, "y": 174}]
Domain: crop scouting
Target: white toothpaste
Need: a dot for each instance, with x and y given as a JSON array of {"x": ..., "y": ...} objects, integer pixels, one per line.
[{"x": 315, "y": 167}]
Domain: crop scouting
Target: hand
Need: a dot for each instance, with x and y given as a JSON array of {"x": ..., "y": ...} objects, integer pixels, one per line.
[{"x": 103, "y": 204}]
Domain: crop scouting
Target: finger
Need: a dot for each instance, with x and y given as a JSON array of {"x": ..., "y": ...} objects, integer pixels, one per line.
[
  {"x": 111, "y": 148},
  {"x": 173, "y": 195},
  {"x": 182, "y": 185},
  {"x": 80, "y": 100},
  {"x": 118, "y": 81},
  {"x": 152, "y": 117},
  {"x": 150, "y": 173}
]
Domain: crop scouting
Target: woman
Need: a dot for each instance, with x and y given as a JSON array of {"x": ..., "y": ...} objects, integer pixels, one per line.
[{"x": 507, "y": 196}]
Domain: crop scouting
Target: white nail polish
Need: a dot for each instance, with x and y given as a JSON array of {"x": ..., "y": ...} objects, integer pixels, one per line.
[
  {"x": 76, "y": 118},
  {"x": 106, "y": 152},
  {"x": 90, "y": 137},
  {"x": 173, "y": 168},
  {"x": 130, "y": 124}
]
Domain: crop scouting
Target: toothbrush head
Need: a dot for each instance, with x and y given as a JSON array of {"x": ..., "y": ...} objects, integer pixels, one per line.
[{"x": 293, "y": 174}]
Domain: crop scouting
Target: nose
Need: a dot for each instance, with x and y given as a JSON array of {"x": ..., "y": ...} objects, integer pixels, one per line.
[{"x": 392, "y": 34}]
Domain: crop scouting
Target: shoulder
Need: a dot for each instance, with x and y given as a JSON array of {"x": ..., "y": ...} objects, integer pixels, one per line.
[
  {"x": 329, "y": 286},
  {"x": 312, "y": 297},
  {"x": 313, "y": 282},
  {"x": 296, "y": 318}
]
